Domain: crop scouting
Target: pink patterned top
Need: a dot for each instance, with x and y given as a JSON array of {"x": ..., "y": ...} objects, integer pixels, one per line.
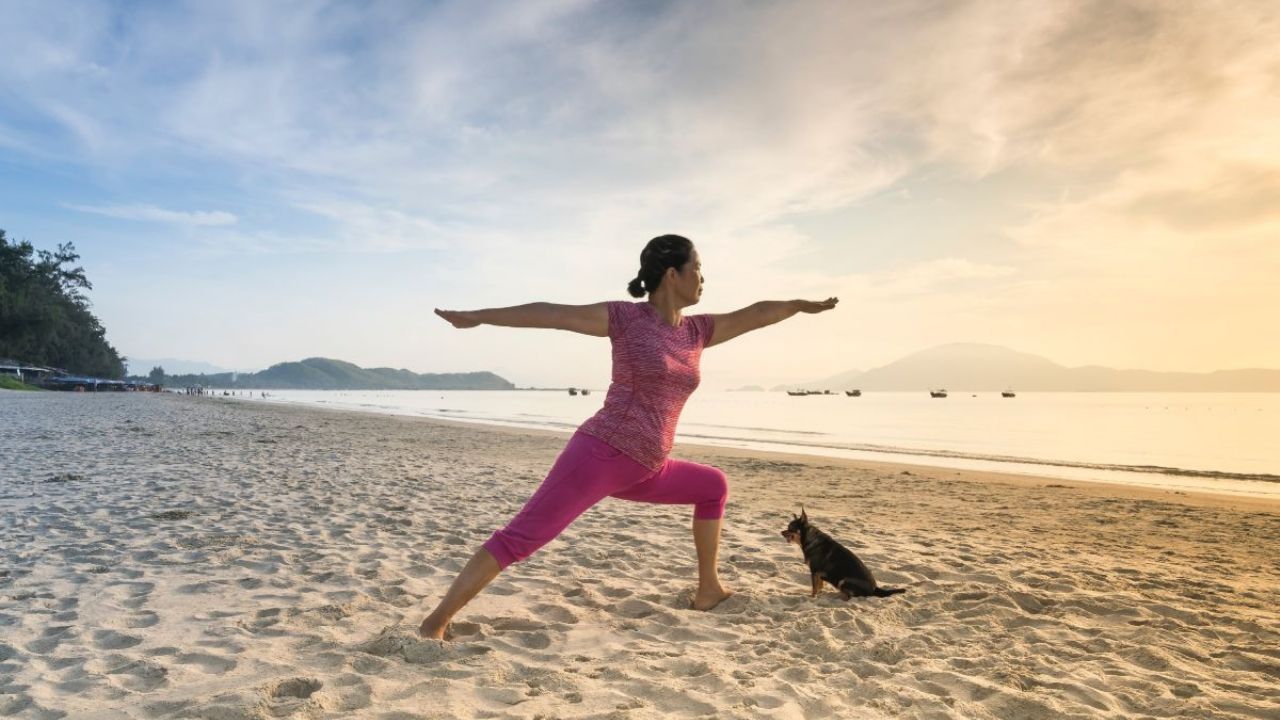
[{"x": 655, "y": 370}]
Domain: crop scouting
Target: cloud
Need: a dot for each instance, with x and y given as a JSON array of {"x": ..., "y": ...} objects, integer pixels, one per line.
[
  {"x": 542, "y": 144},
  {"x": 585, "y": 116},
  {"x": 379, "y": 228},
  {"x": 1232, "y": 197},
  {"x": 151, "y": 213}
]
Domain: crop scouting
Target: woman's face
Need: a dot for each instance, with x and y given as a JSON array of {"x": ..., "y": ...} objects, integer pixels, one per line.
[{"x": 689, "y": 280}]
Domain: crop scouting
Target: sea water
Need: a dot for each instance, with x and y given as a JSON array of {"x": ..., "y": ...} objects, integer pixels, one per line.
[{"x": 1225, "y": 442}]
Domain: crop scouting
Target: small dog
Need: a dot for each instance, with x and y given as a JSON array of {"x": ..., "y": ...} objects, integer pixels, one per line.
[{"x": 832, "y": 562}]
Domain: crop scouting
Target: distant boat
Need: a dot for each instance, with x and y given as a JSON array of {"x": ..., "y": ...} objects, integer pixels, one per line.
[
  {"x": 797, "y": 393},
  {"x": 853, "y": 393},
  {"x": 938, "y": 393},
  {"x": 573, "y": 391},
  {"x": 586, "y": 391},
  {"x": 1008, "y": 393}
]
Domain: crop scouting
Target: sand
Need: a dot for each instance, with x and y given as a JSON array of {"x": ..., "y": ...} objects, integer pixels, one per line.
[{"x": 181, "y": 557}]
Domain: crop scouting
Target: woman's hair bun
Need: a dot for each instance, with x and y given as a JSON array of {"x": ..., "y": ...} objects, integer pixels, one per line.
[{"x": 636, "y": 288}]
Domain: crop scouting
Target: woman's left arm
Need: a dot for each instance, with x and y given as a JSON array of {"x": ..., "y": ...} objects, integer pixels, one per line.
[{"x": 753, "y": 317}]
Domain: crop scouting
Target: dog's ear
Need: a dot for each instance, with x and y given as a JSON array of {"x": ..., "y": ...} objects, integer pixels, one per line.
[{"x": 803, "y": 517}]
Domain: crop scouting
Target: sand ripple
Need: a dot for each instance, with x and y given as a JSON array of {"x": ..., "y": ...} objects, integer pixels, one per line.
[{"x": 173, "y": 557}]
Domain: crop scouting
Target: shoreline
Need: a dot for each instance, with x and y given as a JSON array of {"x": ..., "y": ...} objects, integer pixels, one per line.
[
  {"x": 1106, "y": 487},
  {"x": 1094, "y": 462}
]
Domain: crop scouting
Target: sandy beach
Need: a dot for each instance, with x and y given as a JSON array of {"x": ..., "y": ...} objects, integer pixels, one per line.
[{"x": 182, "y": 557}]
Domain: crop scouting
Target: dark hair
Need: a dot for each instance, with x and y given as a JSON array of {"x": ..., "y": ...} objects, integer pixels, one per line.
[{"x": 662, "y": 252}]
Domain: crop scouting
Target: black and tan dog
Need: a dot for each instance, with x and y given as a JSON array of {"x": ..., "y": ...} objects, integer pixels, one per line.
[{"x": 832, "y": 562}]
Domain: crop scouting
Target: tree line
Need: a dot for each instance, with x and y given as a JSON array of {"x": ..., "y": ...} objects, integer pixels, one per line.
[{"x": 44, "y": 313}]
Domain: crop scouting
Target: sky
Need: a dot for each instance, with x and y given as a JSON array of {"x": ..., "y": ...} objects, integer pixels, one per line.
[{"x": 250, "y": 183}]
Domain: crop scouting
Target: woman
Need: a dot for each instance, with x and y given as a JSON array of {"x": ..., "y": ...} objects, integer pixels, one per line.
[{"x": 622, "y": 451}]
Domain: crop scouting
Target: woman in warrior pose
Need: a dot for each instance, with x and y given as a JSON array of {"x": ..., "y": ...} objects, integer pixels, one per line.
[{"x": 622, "y": 450}]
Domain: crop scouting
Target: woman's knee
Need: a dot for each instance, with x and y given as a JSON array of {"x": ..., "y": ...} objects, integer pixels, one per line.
[
  {"x": 718, "y": 485},
  {"x": 715, "y": 495}
]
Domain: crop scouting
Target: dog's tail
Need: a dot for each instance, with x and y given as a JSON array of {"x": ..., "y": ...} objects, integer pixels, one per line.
[{"x": 886, "y": 592}]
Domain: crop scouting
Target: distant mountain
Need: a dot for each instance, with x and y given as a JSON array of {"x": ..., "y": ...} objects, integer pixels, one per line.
[
  {"x": 142, "y": 366},
  {"x": 971, "y": 366},
  {"x": 326, "y": 374}
]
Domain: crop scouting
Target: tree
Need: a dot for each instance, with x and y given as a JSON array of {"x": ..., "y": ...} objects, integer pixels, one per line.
[
  {"x": 156, "y": 376},
  {"x": 44, "y": 313}
]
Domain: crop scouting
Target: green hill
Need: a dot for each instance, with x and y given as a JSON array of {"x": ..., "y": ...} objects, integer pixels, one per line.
[{"x": 328, "y": 374}]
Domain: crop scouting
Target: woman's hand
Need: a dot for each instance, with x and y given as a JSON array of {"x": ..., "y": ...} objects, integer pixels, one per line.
[
  {"x": 753, "y": 317},
  {"x": 459, "y": 319},
  {"x": 809, "y": 306}
]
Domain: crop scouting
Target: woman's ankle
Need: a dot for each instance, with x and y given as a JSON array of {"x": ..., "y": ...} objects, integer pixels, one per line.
[{"x": 433, "y": 627}]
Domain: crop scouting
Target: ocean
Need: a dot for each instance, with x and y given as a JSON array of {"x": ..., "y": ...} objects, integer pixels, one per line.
[{"x": 1221, "y": 442}]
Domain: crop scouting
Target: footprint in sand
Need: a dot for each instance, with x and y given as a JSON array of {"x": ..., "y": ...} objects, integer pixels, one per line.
[
  {"x": 266, "y": 618},
  {"x": 585, "y": 597},
  {"x": 139, "y": 675},
  {"x": 51, "y": 638},
  {"x": 528, "y": 634},
  {"x": 130, "y": 595},
  {"x": 230, "y": 646},
  {"x": 532, "y": 640},
  {"x": 363, "y": 664},
  {"x": 141, "y": 619},
  {"x": 765, "y": 701},
  {"x": 634, "y": 609},
  {"x": 297, "y": 688},
  {"x": 689, "y": 668},
  {"x": 516, "y": 625},
  {"x": 206, "y": 662},
  {"x": 420, "y": 571},
  {"x": 112, "y": 640},
  {"x": 556, "y": 613},
  {"x": 200, "y": 588},
  {"x": 503, "y": 588},
  {"x": 465, "y": 629}
]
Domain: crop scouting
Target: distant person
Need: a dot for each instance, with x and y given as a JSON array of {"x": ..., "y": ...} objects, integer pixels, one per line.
[{"x": 622, "y": 450}]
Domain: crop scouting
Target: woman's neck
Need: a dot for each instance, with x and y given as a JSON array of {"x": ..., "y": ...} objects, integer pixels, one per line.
[{"x": 667, "y": 308}]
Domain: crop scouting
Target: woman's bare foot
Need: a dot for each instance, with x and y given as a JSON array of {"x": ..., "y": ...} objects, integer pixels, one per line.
[
  {"x": 707, "y": 598},
  {"x": 430, "y": 630}
]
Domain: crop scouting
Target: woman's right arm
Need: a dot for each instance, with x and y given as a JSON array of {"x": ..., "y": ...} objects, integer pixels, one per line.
[{"x": 586, "y": 319}]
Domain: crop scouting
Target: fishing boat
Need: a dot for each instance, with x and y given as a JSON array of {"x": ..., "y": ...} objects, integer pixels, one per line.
[
  {"x": 853, "y": 393},
  {"x": 573, "y": 391},
  {"x": 938, "y": 393},
  {"x": 1008, "y": 393},
  {"x": 797, "y": 393}
]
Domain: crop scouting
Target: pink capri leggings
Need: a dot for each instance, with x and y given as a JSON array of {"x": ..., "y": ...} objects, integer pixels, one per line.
[{"x": 589, "y": 470}]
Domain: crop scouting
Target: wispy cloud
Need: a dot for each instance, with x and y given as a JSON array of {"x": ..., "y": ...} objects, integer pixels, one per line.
[
  {"x": 151, "y": 213},
  {"x": 380, "y": 228}
]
